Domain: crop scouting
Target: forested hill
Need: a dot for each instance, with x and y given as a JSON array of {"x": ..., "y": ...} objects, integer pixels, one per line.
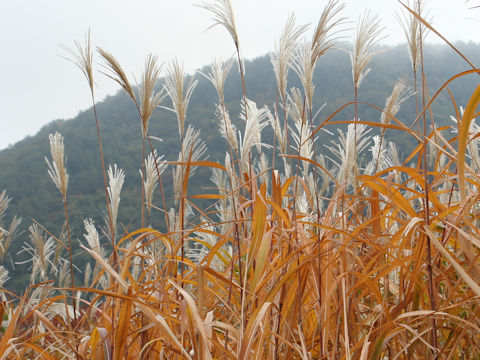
[{"x": 23, "y": 171}]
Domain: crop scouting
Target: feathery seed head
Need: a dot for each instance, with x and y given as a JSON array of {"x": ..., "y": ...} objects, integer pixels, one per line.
[
  {"x": 149, "y": 99},
  {"x": 253, "y": 130},
  {"x": 222, "y": 14},
  {"x": 344, "y": 151},
  {"x": 218, "y": 76},
  {"x": 412, "y": 29},
  {"x": 42, "y": 253},
  {"x": 3, "y": 276},
  {"x": 178, "y": 94},
  {"x": 116, "y": 178},
  {"x": 82, "y": 57},
  {"x": 367, "y": 36},
  {"x": 63, "y": 275},
  {"x": 191, "y": 144},
  {"x": 227, "y": 129},
  {"x": 56, "y": 169},
  {"x": 400, "y": 93},
  {"x": 92, "y": 237},
  {"x": 152, "y": 163},
  {"x": 115, "y": 72},
  {"x": 6, "y": 236},
  {"x": 305, "y": 68},
  {"x": 296, "y": 108},
  {"x": 281, "y": 57},
  {"x": 4, "y": 200},
  {"x": 88, "y": 275},
  {"x": 280, "y": 134},
  {"x": 326, "y": 35}
]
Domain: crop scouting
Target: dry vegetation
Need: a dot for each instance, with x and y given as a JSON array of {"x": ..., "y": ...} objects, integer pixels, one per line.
[{"x": 302, "y": 255}]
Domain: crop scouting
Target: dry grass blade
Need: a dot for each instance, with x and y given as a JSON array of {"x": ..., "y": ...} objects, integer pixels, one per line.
[
  {"x": 198, "y": 320},
  {"x": 461, "y": 271},
  {"x": 107, "y": 268},
  {"x": 463, "y": 138}
]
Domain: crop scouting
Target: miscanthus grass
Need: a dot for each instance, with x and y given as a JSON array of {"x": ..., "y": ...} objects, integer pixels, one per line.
[{"x": 351, "y": 249}]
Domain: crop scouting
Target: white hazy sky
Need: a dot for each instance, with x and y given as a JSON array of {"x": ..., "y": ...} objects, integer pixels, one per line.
[{"x": 38, "y": 86}]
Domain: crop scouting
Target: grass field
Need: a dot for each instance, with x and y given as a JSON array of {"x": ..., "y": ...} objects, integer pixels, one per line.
[{"x": 360, "y": 252}]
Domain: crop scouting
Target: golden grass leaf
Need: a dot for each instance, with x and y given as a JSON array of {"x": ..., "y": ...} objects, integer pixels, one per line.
[
  {"x": 463, "y": 138},
  {"x": 122, "y": 328},
  {"x": 12, "y": 324},
  {"x": 261, "y": 257},
  {"x": 198, "y": 320},
  {"x": 249, "y": 335},
  {"x": 460, "y": 270}
]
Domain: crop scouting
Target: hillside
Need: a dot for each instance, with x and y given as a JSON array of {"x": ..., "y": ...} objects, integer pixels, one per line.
[{"x": 35, "y": 198}]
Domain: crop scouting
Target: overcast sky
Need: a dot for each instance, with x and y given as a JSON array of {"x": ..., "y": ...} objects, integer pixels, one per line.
[{"x": 38, "y": 86}]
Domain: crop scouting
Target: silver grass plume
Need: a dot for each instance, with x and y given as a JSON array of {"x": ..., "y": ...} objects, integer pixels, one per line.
[
  {"x": 149, "y": 99},
  {"x": 296, "y": 107},
  {"x": 326, "y": 35},
  {"x": 227, "y": 128},
  {"x": 191, "y": 144},
  {"x": 344, "y": 151},
  {"x": 56, "y": 169},
  {"x": 4, "y": 200},
  {"x": 229, "y": 165},
  {"x": 261, "y": 167},
  {"x": 305, "y": 68},
  {"x": 3, "y": 276},
  {"x": 412, "y": 29},
  {"x": 253, "y": 130},
  {"x": 218, "y": 76},
  {"x": 41, "y": 251},
  {"x": 178, "y": 93},
  {"x": 6, "y": 236},
  {"x": 393, "y": 159},
  {"x": 174, "y": 219},
  {"x": 400, "y": 93},
  {"x": 222, "y": 14},
  {"x": 223, "y": 206},
  {"x": 367, "y": 36},
  {"x": 199, "y": 253},
  {"x": 115, "y": 72},
  {"x": 82, "y": 57},
  {"x": 283, "y": 52},
  {"x": 116, "y": 178},
  {"x": 63, "y": 274},
  {"x": 325, "y": 178},
  {"x": 377, "y": 162},
  {"x": 280, "y": 134},
  {"x": 151, "y": 175},
  {"x": 92, "y": 237},
  {"x": 88, "y": 275},
  {"x": 301, "y": 131}
]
